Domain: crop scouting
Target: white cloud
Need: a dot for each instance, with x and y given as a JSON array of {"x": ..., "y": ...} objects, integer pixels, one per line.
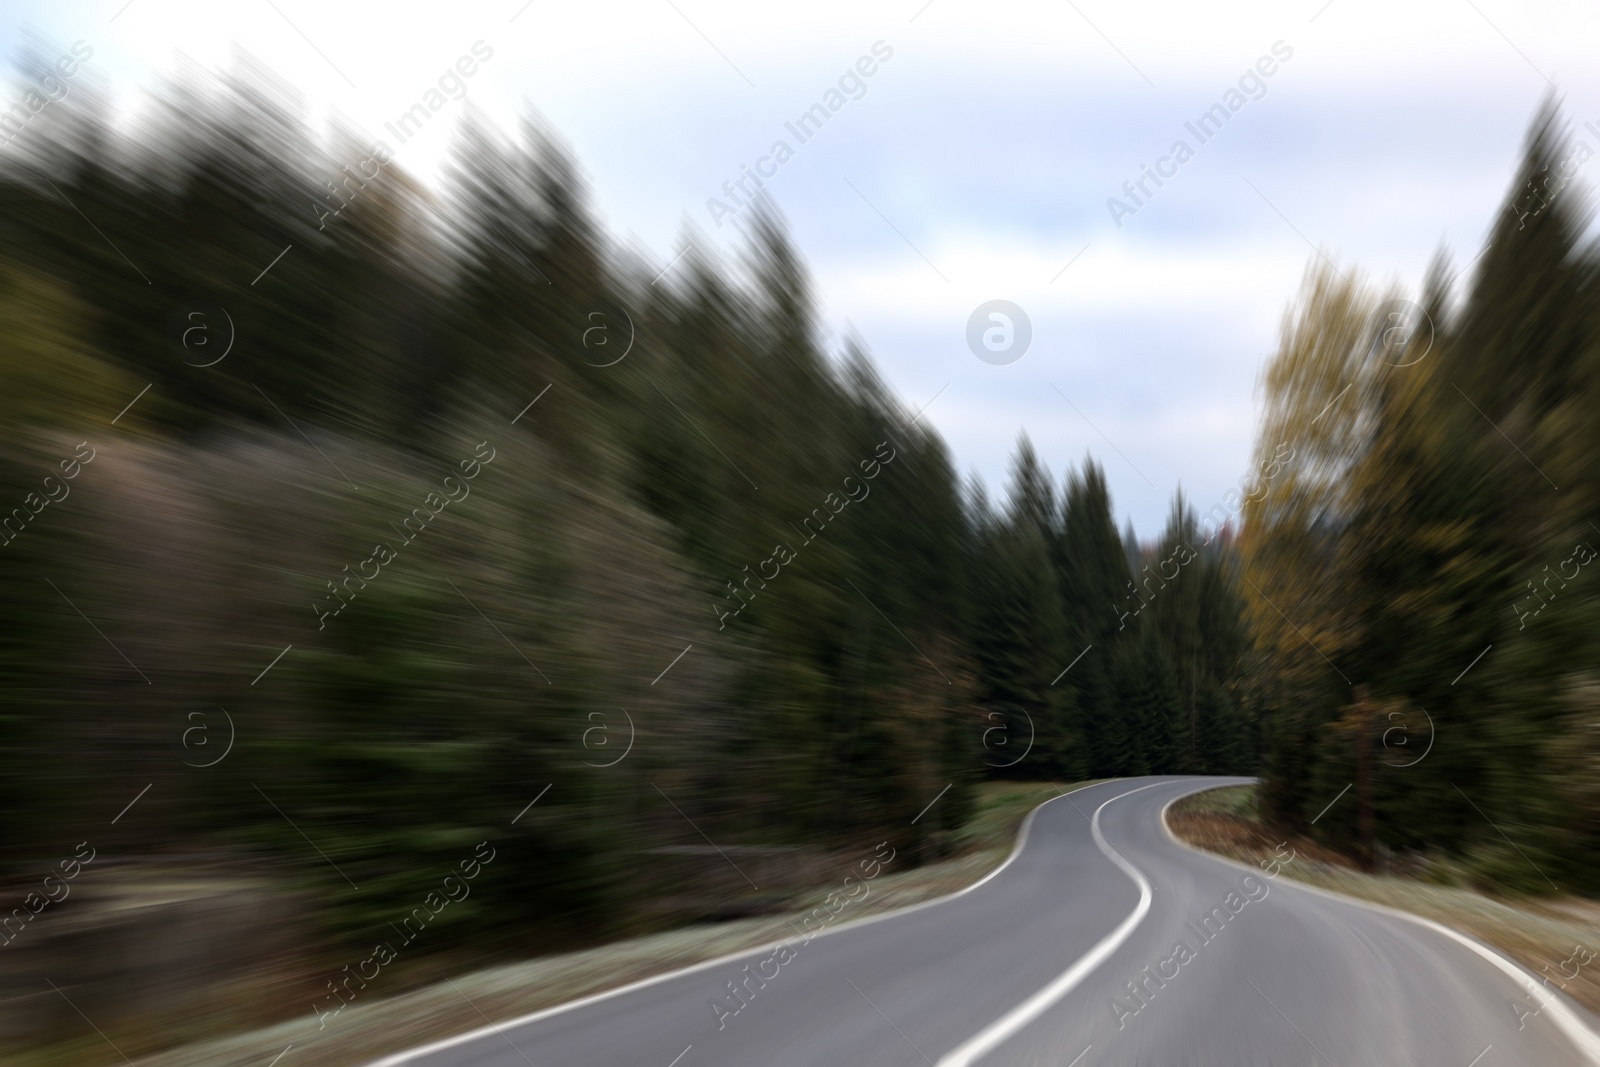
[{"x": 991, "y": 141}]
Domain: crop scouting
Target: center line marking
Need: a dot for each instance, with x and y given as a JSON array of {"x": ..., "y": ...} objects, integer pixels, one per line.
[{"x": 992, "y": 1037}]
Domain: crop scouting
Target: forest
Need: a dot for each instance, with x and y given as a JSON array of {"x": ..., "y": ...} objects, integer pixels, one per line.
[
  {"x": 361, "y": 527},
  {"x": 1422, "y": 621},
  {"x": 365, "y": 536}
]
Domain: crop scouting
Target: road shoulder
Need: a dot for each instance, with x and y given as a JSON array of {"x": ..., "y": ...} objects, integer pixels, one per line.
[
  {"x": 1538, "y": 943},
  {"x": 475, "y": 1001}
]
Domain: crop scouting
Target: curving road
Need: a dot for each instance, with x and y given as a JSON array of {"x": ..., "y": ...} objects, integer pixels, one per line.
[{"x": 1069, "y": 956}]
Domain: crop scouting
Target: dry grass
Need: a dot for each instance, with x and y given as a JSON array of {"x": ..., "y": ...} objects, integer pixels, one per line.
[
  {"x": 369, "y": 1029},
  {"x": 1541, "y": 934},
  {"x": 1224, "y": 821}
]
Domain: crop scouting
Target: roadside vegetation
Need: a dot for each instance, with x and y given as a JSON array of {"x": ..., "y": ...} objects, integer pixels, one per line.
[
  {"x": 1550, "y": 935},
  {"x": 349, "y": 546},
  {"x": 437, "y": 1008}
]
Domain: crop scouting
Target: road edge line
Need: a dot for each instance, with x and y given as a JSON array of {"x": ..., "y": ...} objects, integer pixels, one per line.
[
  {"x": 1568, "y": 1021},
  {"x": 396, "y": 1059},
  {"x": 997, "y": 1032}
]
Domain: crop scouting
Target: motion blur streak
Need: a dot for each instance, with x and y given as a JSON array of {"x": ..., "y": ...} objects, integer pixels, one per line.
[{"x": 282, "y": 345}]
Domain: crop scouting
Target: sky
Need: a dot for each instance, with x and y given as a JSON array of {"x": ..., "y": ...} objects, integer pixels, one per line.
[{"x": 974, "y": 164}]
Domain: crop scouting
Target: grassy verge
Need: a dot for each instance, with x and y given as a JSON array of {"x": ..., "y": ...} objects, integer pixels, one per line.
[
  {"x": 1539, "y": 933},
  {"x": 370, "y": 1028}
]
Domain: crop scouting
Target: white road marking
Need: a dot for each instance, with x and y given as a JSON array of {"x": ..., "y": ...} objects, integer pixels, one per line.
[
  {"x": 398, "y": 1058},
  {"x": 1577, "y": 1031},
  {"x": 1023, "y": 1014}
]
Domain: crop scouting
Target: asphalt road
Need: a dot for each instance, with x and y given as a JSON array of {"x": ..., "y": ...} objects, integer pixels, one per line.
[{"x": 1040, "y": 965}]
